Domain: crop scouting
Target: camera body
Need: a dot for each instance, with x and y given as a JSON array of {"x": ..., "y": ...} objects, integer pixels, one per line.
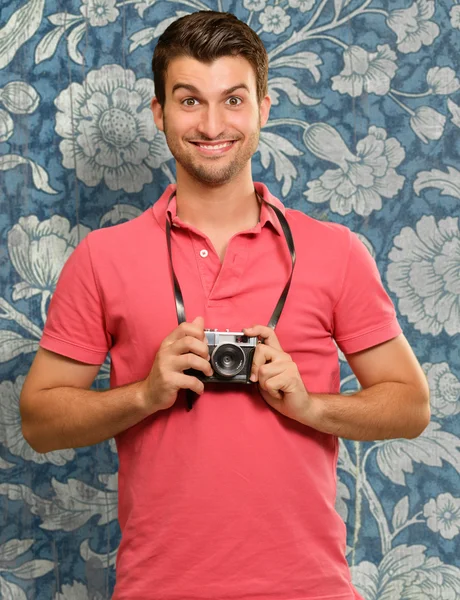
[{"x": 231, "y": 357}]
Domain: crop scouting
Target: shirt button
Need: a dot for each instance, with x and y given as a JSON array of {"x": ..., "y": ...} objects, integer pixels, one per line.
[{"x": 203, "y": 253}]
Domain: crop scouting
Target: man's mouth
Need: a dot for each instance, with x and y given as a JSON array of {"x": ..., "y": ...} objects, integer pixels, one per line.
[{"x": 214, "y": 147}]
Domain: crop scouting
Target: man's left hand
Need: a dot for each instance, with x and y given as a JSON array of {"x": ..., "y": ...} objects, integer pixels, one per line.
[{"x": 280, "y": 383}]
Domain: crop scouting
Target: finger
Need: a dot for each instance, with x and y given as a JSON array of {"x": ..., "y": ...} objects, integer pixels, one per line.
[
  {"x": 266, "y": 334},
  {"x": 188, "y": 382},
  {"x": 271, "y": 370},
  {"x": 194, "y": 329},
  {"x": 199, "y": 323},
  {"x": 192, "y": 361},
  {"x": 274, "y": 385},
  {"x": 190, "y": 344},
  {"x": 262, "y": 355}
]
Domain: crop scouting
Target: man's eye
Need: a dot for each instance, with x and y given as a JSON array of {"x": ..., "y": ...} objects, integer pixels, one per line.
[
  {"x": 189, "y": 101},
  {"x": 234, "y": 101}
]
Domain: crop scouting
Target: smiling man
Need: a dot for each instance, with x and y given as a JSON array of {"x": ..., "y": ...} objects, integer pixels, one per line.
[{"x": 233, "y": 500}]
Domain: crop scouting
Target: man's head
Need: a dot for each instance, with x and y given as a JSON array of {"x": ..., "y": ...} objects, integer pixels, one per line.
[{"x": 210, "y": 73}]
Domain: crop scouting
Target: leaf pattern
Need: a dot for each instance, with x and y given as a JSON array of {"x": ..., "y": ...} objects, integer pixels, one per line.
[
  {"x": 19, "y": 29},
  {"x": 276, "y": 147},
  {"x": 72, "y": 506},
  {"x": 400, "y": 513},
  {"x": 12, "y": 345},
  {"x": 406, "y": 572},
  {"x": 301, "y": 60},
  {"x": 396, "y": 458},
  {"x": 39, "y": 175},
  {"x": 11, "y": 590},
  {"x": 288, "y": 85},
  {"x": 448, "y": 183}
]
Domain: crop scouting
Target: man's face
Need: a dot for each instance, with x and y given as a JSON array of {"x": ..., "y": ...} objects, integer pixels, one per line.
[{"x": 211, "y": 118}]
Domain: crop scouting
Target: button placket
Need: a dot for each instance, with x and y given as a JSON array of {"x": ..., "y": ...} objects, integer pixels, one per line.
[
  {"x": 227, "y": 283},
  {"x": 208, "y": 265}
]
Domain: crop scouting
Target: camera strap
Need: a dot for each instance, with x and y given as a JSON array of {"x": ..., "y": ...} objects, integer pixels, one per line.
[
  {"x": 290, "y": 242},
  {"x": 180, "y": 308}
]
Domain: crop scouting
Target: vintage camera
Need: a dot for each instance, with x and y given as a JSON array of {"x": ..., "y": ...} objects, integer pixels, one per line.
[{"x": 231, "y": 357}]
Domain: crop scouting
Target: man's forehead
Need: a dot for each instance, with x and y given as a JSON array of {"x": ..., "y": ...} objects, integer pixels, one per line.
[{"x": 222, "y": 74}]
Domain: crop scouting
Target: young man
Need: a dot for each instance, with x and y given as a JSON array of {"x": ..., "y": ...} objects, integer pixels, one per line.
[{"x": 233, "y": 500}]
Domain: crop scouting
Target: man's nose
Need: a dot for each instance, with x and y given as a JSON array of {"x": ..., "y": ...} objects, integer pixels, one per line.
[{"x": 212, "y": 122}]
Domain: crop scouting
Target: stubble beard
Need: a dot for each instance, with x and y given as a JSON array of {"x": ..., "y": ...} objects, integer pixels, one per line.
[{"x": 203, "y": 169}]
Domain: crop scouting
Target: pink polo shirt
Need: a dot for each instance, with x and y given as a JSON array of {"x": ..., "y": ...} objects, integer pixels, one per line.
[{"x": 232, "y": 500}]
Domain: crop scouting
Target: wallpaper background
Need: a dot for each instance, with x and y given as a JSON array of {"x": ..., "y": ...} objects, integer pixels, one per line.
[{"x": 364, "y": 131}]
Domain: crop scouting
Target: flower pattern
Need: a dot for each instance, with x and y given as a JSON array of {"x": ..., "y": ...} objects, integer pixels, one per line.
[
  {"x": 406, "y": 572},
  {"x": 31, "y": 243},
  {"x": 413, "y": 26},
  {"x": 427, "y": 123},
  {"x": 19, "y": 98},
  {"x": 454, "y": 111},
  {"x": 255, "y": 5},
  {"x": 443, "y": 515},
  {"x": 455, "y": 16},
  {"x": 444, "y": 389},
  {"x": 274, "y": 19},
  {"x": 302, "y": 5},
  {"x": 6, "y": 126},
  {"x": 442, "y": 80},
  {"x": 99, "y": 12},
  {"x": 363, "y": 71},
  {"x": 423, "y": 273},
  {"x": 362, "y": 179},
  {"x": 113, "y": 137},
  {"x": 76, "y": 591}
]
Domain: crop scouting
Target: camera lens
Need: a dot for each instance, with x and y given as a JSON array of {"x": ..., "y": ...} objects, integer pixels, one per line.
[{"x": 227, "y": 360}]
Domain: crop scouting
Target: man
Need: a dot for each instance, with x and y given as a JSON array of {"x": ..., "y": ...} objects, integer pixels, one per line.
[{"x": 235, "y": 498}]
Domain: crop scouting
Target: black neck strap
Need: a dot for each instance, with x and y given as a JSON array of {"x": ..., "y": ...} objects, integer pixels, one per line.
[{"x": 180, "y": 308}]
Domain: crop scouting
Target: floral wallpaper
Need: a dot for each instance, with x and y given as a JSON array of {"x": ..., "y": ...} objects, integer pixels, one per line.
[{"x": 364, "y": 131}]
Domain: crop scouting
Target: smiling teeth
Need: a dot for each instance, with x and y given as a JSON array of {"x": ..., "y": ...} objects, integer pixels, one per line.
[{"x": 216, "y": 147}]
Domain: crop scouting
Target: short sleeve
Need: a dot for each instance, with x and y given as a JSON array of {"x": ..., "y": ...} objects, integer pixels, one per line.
[
  {"x": 364, "y": 314},
  {"x": 75, "y": 324}
]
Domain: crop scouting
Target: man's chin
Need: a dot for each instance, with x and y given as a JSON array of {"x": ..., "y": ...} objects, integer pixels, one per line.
[
  {"x": 213, "y": 177},
  {"x": 212, "y": 180}
]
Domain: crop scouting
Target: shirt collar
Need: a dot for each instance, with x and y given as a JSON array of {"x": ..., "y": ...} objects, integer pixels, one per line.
[{"x": 267, "y": 215}]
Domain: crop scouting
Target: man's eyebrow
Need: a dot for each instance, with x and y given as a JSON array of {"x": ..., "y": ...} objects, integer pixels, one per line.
[{"x": 194, "y": 90}]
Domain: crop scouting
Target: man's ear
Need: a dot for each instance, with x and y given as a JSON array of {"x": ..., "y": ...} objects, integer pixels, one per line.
[
  {"x": 265, "y": 110},
  {"x": 157, "y": 113}
]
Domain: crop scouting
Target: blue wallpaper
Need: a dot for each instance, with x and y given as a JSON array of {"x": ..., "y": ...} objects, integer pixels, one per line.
[{"x": 364, "y": 131}]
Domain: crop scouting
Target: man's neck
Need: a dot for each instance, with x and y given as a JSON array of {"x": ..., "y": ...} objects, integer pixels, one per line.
[{"x": 232, "y": 206}]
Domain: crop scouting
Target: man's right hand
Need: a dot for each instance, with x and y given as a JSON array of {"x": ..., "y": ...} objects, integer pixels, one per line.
[{"x": 184, "y": 348}]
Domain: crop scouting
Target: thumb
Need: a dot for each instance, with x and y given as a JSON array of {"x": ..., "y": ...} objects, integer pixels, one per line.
[{"x": 199, "y": 322}]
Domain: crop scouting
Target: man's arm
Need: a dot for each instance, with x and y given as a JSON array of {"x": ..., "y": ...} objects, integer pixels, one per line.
[
  {"x": 394, "y": 401},
  {"x": 59, "y": 411}
]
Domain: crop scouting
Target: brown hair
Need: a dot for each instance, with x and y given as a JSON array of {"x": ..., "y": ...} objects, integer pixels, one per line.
[{"x": 206, "y": 36}]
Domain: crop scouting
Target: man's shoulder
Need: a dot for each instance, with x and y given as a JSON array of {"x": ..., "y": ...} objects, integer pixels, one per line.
[
  {"x": 316, "y": 230},
  {"x": 144, "y": 224}
]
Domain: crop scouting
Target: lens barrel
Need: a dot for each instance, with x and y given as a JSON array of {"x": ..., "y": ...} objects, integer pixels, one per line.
[{"x": 227, "y": 360}]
